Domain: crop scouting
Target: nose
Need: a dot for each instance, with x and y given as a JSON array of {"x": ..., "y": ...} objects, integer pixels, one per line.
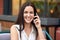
[{"x": 28, "y": 14}]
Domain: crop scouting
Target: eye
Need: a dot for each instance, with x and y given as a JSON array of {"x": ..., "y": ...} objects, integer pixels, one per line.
[
  {"x": 25, "y": 12},
  {"x": 31, "y": 12}
]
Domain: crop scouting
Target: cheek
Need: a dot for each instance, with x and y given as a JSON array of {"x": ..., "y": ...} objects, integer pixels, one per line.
[
  {"x": 33, "y": 16},
  {"x": 24, "y": 15}
]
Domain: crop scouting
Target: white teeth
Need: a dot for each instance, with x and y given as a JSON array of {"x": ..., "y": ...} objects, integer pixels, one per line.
[{"x": 28, "y": 19}]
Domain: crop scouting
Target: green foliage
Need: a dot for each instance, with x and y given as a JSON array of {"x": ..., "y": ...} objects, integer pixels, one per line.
[
  {"x": 39, "y": 4},
  {"x": 52, "y": 5}
]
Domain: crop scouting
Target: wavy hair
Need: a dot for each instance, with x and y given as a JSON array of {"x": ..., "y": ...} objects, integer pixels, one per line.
[{"x": 20, "y": 19}]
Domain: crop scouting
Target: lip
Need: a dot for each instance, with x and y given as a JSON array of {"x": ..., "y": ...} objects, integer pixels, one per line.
[{"x": 28, "y": 19}]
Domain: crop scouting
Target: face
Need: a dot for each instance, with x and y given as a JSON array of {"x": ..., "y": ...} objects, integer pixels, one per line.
[{"x": 28, "y": 14}]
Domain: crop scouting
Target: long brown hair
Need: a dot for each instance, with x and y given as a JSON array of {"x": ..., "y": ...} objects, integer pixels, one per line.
[{"x": 20, "y": 19}]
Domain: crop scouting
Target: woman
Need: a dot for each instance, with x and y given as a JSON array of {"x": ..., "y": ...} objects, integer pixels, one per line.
[{"x": 28, "y": 25}]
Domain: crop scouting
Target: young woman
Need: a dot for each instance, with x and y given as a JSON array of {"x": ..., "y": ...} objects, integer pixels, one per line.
[{"x": 28, "y": 25}]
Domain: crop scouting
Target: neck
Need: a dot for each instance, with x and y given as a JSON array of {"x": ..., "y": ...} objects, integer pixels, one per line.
[
  {"x": 27, "y": 28},
  {"x": 26, "y": 25}
]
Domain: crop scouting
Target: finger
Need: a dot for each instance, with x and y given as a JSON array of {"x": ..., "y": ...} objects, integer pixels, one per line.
[
  {"x": 36, "y": 16},
  {"x": 35, "y": 20}
]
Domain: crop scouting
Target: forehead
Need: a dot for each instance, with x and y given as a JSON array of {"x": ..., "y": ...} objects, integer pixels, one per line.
[{"x": 29, "y": 8}]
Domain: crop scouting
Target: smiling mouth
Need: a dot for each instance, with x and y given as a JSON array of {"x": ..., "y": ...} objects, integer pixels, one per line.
[{"x": 28, "y": 19}]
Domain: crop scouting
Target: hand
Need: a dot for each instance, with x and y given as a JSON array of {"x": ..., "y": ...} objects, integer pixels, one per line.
[{"x": 37, "y": 21}]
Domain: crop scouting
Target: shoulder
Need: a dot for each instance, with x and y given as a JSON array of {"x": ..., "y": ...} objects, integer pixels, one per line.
[
  {"x": 14, "y": 27},
  {"x": 14, "y": 33}
]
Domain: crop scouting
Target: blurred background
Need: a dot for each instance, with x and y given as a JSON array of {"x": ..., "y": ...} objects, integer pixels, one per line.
[{"x": 48, "y": 11}]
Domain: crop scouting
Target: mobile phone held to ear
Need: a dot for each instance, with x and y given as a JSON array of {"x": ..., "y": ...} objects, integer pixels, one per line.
[{"x": 35, "y": 15}]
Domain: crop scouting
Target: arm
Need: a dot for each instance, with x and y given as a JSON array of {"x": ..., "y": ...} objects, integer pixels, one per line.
[
  {"x": 14, "y": 34},
  {"x": 38, "y": 26},
  {"x": 40, "y": 34}
]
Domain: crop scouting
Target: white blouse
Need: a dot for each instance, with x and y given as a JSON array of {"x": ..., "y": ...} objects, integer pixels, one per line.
[{"x": 32, "y": 35}]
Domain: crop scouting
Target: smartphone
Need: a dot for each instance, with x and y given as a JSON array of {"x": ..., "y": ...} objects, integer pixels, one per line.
[{"x": 35, "y": 15}]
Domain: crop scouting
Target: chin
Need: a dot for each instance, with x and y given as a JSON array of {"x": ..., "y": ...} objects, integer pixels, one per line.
[{"x": 28, "y": 22}]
